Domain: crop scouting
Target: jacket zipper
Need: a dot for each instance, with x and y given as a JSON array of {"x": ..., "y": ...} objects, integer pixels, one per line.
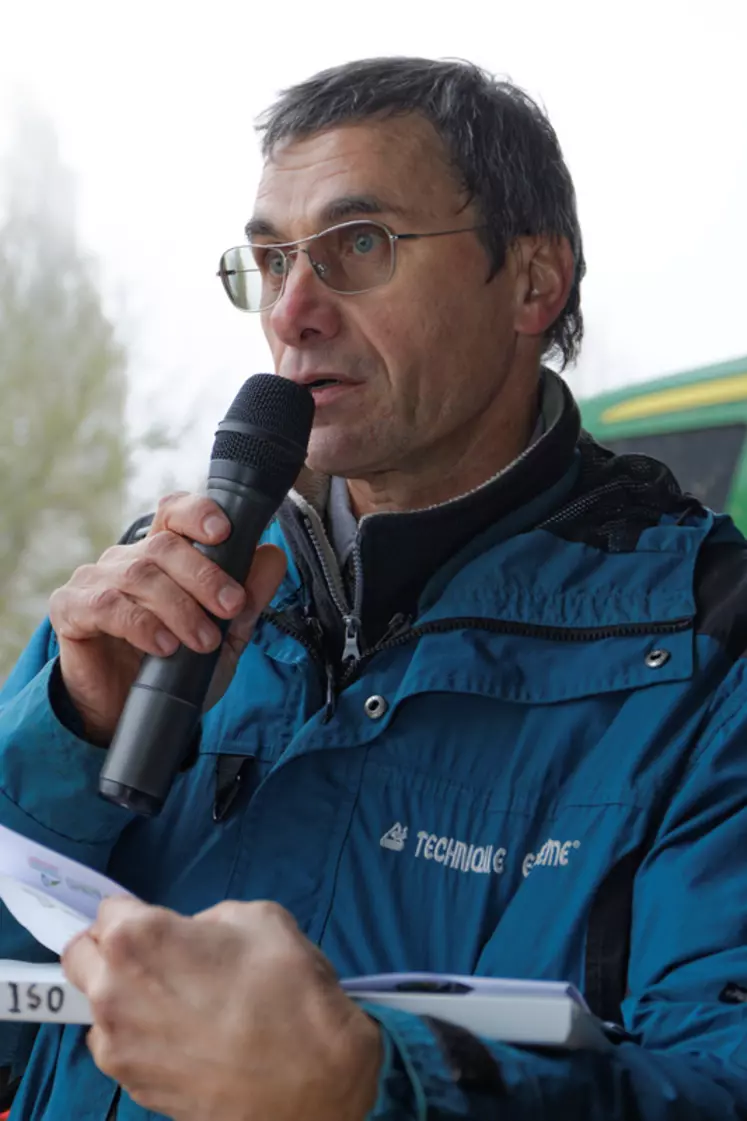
[
  {"x": 283, "y": 623},
  {"x": 351, "y": 617},
  {"x": 406, "y": 633},
  {"x": 401, "y": 632},
  {"x": 315, "y": 648}
]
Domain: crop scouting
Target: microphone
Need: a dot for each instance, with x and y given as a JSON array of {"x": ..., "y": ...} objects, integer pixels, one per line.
[{"x": 258, "y": 452}]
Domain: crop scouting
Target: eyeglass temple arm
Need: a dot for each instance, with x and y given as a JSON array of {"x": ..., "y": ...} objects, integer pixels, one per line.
[{"x": 437, "y": 233}]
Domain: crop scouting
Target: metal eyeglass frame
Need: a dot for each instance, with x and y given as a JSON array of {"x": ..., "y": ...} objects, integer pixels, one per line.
[{"x": 319, "y": 267}]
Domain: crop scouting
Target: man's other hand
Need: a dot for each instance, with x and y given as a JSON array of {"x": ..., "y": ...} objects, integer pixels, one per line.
[{"x": 232, "y": 1015}]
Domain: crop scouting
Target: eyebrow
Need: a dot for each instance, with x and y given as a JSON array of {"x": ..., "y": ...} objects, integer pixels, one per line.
[{"x": 347, "y": 206}]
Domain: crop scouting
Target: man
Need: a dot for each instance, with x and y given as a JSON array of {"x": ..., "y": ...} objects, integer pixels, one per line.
[{"x": 482, "y": 709}]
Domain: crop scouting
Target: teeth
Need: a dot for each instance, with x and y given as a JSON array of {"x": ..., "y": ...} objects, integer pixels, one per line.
[{"x": 324, "y": 381}]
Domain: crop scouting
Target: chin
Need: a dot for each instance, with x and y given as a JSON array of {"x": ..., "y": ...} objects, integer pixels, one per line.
[
  {"x": 331, "y": 465},
  {"x": 329, "y": 456}
]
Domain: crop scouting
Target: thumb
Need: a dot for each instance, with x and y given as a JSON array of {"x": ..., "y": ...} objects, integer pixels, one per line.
[{"x": 265, "y": 576}]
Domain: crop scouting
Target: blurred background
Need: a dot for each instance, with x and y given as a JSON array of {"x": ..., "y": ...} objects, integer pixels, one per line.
[{"x": 128, "y": 162}]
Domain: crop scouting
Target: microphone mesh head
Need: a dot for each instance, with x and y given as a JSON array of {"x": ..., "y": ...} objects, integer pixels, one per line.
[
  {"x": 281, "y": 414},
  {"x": 275, "y": 404}
]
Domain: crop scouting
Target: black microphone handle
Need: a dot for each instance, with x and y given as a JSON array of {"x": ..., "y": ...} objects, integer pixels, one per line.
[{"x": 161, "y": 714}]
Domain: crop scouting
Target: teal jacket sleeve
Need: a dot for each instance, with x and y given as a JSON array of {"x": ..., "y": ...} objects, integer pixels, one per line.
[
  {"x": 48, "y": 791},
  {"x": 688, "y": 943}
]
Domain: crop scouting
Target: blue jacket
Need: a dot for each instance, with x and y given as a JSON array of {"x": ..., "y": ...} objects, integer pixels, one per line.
[{"x": 551, "y": 782}]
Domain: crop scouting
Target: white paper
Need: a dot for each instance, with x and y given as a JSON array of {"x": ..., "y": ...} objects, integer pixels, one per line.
[
  {"x": 50, "y": 921},
  {"x": 462, "y": 984},
  {"x": 52, "y": 896}
]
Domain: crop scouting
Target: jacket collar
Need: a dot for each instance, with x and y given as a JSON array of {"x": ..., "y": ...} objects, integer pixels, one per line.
[{"x": 396, "y": 555}]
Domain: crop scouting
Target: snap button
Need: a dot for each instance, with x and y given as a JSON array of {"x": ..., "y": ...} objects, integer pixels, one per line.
[
  {"x": 655, "y": 659},
  {"x": 375, "y": 707}
]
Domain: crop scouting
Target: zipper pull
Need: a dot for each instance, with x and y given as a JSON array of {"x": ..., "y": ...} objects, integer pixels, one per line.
[{"x": 351, "y": 651}]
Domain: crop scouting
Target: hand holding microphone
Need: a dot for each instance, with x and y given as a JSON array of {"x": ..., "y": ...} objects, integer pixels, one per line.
[{"x": 140, "y": 632}]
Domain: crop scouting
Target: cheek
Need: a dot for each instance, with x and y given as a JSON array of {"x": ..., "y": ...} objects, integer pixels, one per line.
[{"x": 413, "y": 329}]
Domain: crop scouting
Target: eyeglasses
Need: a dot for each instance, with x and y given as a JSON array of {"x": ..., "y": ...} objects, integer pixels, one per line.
[{"x": 349, "y": 258}]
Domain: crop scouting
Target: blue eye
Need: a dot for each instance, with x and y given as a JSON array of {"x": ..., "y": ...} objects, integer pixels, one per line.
[
  {"x": 274, "y": 263},
  {"x": 364, "y": 243}
]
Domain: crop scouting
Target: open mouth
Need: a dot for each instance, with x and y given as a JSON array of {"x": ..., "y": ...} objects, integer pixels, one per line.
[{"x": 322, "y": 383}]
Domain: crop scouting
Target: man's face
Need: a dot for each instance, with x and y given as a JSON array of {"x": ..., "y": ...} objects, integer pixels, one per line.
[{"x": 422, "y": 359}]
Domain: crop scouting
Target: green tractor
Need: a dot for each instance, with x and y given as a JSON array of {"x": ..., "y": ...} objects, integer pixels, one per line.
[{"x": 694, "y": 422}]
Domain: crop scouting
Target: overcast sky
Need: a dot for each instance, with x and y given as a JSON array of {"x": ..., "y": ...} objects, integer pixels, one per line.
[{"x": 154, "y": 102}]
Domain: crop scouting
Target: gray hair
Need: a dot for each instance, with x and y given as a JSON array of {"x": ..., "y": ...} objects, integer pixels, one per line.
[{"x": 500, "y": 142}]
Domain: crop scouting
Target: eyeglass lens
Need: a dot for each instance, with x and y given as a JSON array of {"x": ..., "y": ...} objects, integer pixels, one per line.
[{"x": 350, "y": 258}]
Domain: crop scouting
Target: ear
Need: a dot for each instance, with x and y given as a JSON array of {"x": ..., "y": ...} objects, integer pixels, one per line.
[{"x": 543, "y": 278}]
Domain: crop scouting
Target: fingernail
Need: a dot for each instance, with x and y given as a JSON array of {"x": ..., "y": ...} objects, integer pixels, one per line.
[
  {"x": 230, "y": 597},
  {"x": 215, "y": 526},
  {"x": 208, "y": 637},
  {"x": 166, "y": 642}
]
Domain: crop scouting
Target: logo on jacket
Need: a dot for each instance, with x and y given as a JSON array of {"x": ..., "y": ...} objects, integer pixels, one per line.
[
  {"x": 553, "y": 854},
  {"x": 395, "y": 837},
  {"x": 460, "y": 855}
]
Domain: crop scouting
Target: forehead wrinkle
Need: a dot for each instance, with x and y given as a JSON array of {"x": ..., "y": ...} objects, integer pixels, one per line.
[{"x": 364, "y": 153}]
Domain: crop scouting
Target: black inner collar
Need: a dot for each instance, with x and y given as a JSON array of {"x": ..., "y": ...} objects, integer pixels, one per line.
[{"x": 401, "y": 552}]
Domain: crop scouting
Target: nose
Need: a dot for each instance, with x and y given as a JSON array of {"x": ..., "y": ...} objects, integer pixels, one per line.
[{"x": 307, "y": 309}]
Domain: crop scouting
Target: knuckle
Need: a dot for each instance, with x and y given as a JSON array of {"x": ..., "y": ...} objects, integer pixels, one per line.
[
  {"x": 138, "y": 620},
  {"x": 104, "y": 600},
  {"x": 207, "y": 576},
  {"x": 105, "y": 1004},
  {"x": 269, "y": 909},
  {"x": 120, "y": 942},
  {"x": 267, "y": 913},
  {"x": 110, "y": 555},
  {"x": 154, "y": 925},
  {"x": 162, "y": 543},
  {"x": 131, "y": 939},
  {"x": 138, "y": 570},
  {"x": 165, "y": 505},
  {"x": 81, "y": 577},
  {"x": 231, "y": 911},
  {"x": 76, "y": 598},
  {"x": 85, "y": 573},
  {"x": 111, "y": 909}
]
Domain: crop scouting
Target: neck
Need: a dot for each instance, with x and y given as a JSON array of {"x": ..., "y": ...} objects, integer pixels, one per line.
[{"x": 454, "y": 467}]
